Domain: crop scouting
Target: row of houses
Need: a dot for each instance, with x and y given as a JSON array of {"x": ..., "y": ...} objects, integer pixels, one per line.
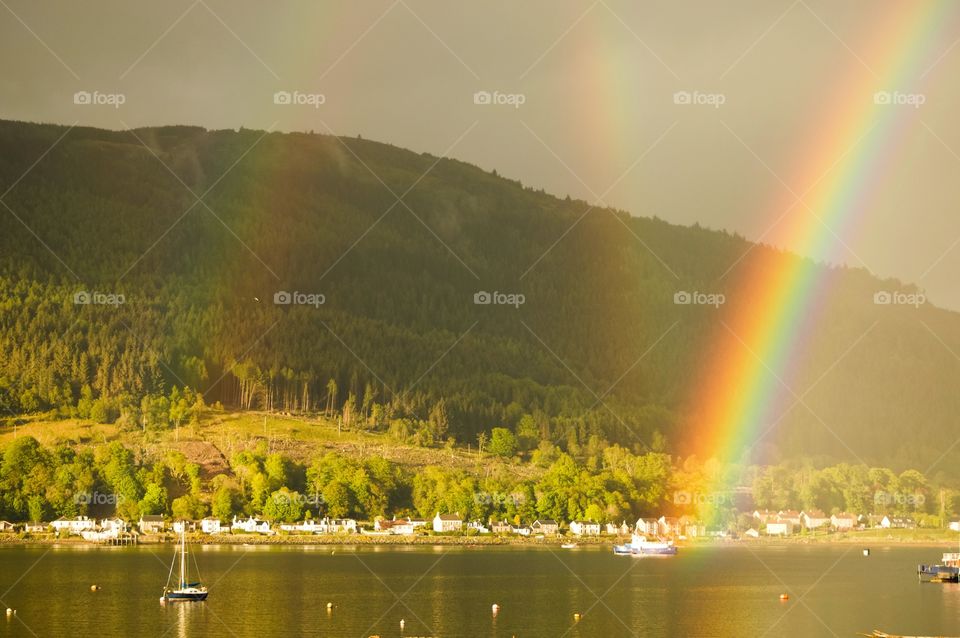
[{"x": 786, "y": 522}]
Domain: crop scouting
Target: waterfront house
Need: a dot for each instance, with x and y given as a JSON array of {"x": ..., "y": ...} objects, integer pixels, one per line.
[
  {"x": 252, "y": 525},
  {"x": 501, "y": 527},
  {"x": 617, "y": 530},
  {"x": 114, "y": 525},
  {"x": 814, "y": 519},
  {"x": 447, "y": 522},
  {"x": 478, "y": 527},
  {"x": 898, "y": 522},
  {"x": 954, "y": 526},
  {"x": 648, "y": 527},
  {"x": 75, "y": 525},
  {"x": 585, "y": 528},
  {"x": 669, "y": 526},
  {"x": 521, "y": 530},
  {"x": 779, "y": 528},
  {"x": 35, "y": 527},
  {"x": 211, "y": 525},
  {"x": 341, "y": 526},
  {"x": 547, "y": 527},
  {"x": 764, "y": 516},
  {"x": 399, "y": 526},
  {"x": 843, "y": 521},
  {"x": 792, "y": 517},
  {"x": 184, "y": 526},
  {"x": 7, "y": 526},
  {"x": 152, "y": 524},
  {"x": 307, "y": 526},
  {"x": 690, "y": 527},
  {"x": 752, "y": 533}
]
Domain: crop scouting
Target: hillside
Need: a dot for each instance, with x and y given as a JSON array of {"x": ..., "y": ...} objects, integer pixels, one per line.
[{"x": 398, "y": 332}]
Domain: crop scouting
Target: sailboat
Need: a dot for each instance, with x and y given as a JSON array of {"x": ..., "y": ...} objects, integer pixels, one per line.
[{"x": 184, "y": 590}]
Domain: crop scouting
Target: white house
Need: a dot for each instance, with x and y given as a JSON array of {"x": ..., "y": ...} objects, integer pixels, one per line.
[
  {"x": 75, "y": 525},
  {"x": 211, "y": 525},
  {"x": 115, "y": 525},
  {"x": 843, "y": 521},
  {"x": 585, "y": 528},
  {"x": 479, "y": 527},
  {"x": 184, "y": 526},
  {"x": 648, "y": 527},
  {"x": 501, "y": 527},
  {"x": 7, "y": 526},
  {"x": 398, "y": 526},
  {"x": 152, "y": 524},
  {"x": 898, "y": 522},
  {"x": 779, "y": 528},
  {"x": 764, "y": 516},
  {"x": 814, "y": 519},
  {"x": 35, "y": 527},
  {"x": 669, "y": 525},
  {"x": 547, "y": 527},
  {"x": 447, "y": 523},
  {"x": 752, "y": 533},
  {"x": 521, "y": 530},
  {"x": 252, "y": 526},
  {"x": 342, "y": 526},
  {"x": 955, "y": 526},
  {"x": 303, "y": 527}
]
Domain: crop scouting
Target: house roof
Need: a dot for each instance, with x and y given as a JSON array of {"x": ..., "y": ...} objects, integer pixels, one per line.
[
  {"x": 449, "y": 517},
  {"x": 546, "y": 521},
  {"x": 814, "y": 514}
]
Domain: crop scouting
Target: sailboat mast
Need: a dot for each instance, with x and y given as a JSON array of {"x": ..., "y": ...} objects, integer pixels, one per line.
[{"x": 183, "y": 558}]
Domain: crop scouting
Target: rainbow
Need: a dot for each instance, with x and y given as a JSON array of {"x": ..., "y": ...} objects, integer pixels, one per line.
[{"x": 776, "y": 299}]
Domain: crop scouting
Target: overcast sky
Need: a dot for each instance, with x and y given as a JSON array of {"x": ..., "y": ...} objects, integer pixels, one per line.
[{"x": 598, "y": 118}]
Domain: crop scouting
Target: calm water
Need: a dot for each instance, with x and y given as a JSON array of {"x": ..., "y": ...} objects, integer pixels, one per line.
[{"x": 448, "y": 592}]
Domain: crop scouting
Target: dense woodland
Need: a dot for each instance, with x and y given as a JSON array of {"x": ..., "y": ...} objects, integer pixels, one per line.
[
  {"x": 598, "y": 352},
  {"x": 609, "y": 484}
]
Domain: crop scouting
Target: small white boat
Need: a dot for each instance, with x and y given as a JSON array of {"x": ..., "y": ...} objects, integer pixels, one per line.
[
  {"x": 569, "y": 546},
  {"x": 640, "y": 546},
  {"x": 185, "y": 591}
]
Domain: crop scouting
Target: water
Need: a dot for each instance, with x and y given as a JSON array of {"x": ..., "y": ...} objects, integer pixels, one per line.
[{"x": 448, "y": 592}]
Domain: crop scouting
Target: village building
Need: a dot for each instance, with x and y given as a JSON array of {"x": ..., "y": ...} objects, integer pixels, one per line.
[
  {"x": 447, "y": 523},
  {"x": 212, "y": 525},
  {"x": 814, "y": 519},
  {"x": 585, "y": 528},
  {"x": 75, "y": 525},
  {"x": 843, "y": 521},
  {"x": 547, "y": 527},
  {"x": 152, "y": 524}
]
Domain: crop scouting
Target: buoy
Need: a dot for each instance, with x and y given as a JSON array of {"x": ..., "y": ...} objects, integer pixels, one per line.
[
  {"x": 402, "y": 623},
  {"x": 94, "y": 587},
  {"x": 329, "y": 605},
  {"x": 784, "y": 597},
  {"x": 577, "y": 616},
  {"x": 495, "y": 608},
  {"x": 866, "y": 552},
  {"x": 9, "y": 611}
]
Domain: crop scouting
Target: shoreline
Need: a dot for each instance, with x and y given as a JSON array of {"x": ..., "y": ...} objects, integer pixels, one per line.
[{"x": 864, "y": 539}]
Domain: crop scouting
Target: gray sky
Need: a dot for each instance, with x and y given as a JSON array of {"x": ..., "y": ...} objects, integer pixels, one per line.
[{"x": 598, "y": 118}]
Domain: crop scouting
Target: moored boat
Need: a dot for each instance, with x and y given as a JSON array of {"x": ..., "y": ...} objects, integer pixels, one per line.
[
  {"x": 185, "y": 591},
  {"x": 640, "y": 546},
  {"x": 948, "y": 571}
]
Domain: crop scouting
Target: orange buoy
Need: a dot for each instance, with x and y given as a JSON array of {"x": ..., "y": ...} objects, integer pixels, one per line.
[{"x": 784, "y": 597}]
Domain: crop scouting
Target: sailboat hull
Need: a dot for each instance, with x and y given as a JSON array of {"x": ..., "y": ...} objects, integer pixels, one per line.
[{"x": 185, "y": 595}]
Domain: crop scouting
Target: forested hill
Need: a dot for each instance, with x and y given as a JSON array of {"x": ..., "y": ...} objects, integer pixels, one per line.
[{"x": 597, "y": 348}]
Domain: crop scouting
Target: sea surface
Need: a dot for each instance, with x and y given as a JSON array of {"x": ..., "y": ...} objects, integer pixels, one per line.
[{"x": 448, "y": 592}]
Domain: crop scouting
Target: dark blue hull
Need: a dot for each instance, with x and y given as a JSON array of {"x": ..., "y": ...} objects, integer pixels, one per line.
[{"x": 185, "y": 596}]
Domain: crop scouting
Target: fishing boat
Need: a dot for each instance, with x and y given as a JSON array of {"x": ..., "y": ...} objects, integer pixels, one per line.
[
  {"x": 185, "y": 591},
  {"x": 948, "y": 571},
  {"x": 569, "y": 546},
  {"x": 640, "y": 546}
]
